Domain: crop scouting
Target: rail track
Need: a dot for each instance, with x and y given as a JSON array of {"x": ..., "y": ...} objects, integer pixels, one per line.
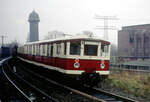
[
  {"x": 93, "y": 94},
  {"x": 29, "y": 91}
]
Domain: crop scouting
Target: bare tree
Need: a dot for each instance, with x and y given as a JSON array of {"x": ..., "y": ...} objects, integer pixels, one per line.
[
  {"x": 88, "y": 33},
  {"x": 114, "y": 50},
  {"x": 54, "y": 34},
  {"x": 28, "y": 38}
]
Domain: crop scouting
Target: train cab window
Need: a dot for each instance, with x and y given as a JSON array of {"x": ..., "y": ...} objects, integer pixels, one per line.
[
  {"x": 75, "y": 48},
  {"x": 90, "y": 50},
  {"x": 104, "y": 50}
]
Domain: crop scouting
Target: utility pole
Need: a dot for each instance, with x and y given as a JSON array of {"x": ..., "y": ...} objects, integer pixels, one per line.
[
  {"x": 2, "y": 39},
  {"x": 106, "y": 27}
]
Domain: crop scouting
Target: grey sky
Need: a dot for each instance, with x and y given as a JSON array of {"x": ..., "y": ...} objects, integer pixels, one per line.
[{"x": 69, "y": 16}]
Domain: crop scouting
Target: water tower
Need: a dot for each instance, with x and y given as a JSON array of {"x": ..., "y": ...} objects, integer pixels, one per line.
[{"x": 34, "y": 30}]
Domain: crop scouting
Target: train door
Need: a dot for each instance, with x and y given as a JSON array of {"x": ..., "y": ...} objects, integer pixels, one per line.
[
  {"x": 51, "y": 51},
  {"x": 52, "y": 55}
]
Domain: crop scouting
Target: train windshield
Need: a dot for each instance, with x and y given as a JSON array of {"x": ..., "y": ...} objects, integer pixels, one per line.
[
  {"x": 104, "y": 50},
  {"x": 75, "y": 48},
  {"x": 90, "y": 50}
]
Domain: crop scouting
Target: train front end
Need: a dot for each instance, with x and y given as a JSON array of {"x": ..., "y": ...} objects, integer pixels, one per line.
[{"x": 89, "y": 58}]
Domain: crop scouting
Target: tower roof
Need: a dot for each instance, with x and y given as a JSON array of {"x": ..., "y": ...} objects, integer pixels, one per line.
[{"x": 33, "y": 16}]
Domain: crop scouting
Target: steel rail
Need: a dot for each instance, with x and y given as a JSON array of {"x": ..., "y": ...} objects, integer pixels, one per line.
[
  {"x": 26, "y": 96},
  {"x": 124, "y": 99},
  {"x": 32, "y": 86}
]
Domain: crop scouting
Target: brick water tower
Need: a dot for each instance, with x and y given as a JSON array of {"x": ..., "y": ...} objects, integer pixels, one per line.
[{"x": 34, "y": 30}]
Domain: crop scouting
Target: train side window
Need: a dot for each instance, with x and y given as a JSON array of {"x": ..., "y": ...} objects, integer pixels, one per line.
[
  {"x": 34, "y": 49},
  {"x": 104, "y": 50},
  {"x": 65, "y": 47},
  {"x": 48, "y": 50},
  {"x": 43, "y": 49},
  {"x": 51, "y": 50},
  {"x": 24, "y": 47},
  {"x": 27, "y": 49},
  {"x": 58, "y": 49},
  {"x": 30, "y": 49},
  {"x": 39, "y": 50},
  {"x": 75, "y": 48},
  {"x": 90, "y": 50}
]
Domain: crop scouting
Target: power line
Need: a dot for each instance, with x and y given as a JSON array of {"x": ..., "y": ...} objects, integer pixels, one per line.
[{"x": 106, "y": 27}]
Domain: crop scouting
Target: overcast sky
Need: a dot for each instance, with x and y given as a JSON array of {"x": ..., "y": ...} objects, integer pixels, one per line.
[{"x": 69, "y": 16}]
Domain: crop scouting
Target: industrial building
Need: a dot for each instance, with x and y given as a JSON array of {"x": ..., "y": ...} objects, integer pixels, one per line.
[{"x": 134, "y": 43}]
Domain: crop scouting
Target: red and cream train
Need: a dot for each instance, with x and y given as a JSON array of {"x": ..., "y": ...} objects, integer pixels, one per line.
[{"x": 85, "y": 58}]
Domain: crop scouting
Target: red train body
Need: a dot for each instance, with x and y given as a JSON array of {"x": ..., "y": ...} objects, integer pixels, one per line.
[{"x": 84, "y": 58}]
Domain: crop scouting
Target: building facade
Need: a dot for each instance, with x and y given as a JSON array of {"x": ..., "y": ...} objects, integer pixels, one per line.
[
  {"x": 34, "y": 30},
  {"x": 134, "y": 42}
]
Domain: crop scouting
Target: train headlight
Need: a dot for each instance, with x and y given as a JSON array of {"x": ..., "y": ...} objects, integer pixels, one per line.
[
  {"x": 102, "y": 65},
  {"x": 76, "y": 65}
]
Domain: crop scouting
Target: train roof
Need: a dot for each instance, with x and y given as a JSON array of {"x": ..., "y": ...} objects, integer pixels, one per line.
[{"x": 69, "y": 39}]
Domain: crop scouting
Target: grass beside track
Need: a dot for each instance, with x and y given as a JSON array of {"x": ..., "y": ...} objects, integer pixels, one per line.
[{"x": 131, "y": 83}]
